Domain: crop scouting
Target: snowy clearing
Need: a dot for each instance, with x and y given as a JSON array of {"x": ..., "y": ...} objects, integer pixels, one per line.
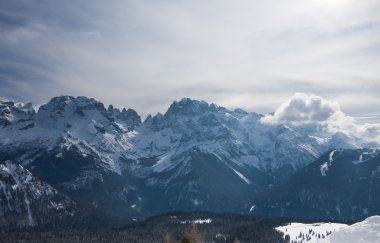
[
  {"x": 311, "y": 233},
  {"x": 367, "y": 231},
  {"x": 197, "y": 221}
]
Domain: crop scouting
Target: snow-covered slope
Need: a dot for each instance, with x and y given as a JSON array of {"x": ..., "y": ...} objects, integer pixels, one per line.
[
  {"x": 25, "y": 201},
  {"x": 367, "y": 231},
  {"x": 184, "y": 158},
  {"x": 311, "y": 233}
]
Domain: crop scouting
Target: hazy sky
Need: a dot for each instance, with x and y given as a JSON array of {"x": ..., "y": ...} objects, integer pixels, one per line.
[{"x": 145, "y": 54}]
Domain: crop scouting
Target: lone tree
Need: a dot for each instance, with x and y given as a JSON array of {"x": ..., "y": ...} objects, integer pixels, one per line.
[
  {"x": 192, "y": 236},
  {"x": 168, "y": 238}
]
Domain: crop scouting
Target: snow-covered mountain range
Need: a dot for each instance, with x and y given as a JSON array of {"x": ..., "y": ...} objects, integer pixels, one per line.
[{"x": 196, "y": 156}]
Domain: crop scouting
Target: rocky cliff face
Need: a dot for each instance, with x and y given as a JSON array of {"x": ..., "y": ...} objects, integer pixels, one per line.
[{"x": 25, "y": 201}]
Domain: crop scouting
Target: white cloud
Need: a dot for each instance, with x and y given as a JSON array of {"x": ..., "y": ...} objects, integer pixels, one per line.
[{"x": 303, "y": 109}]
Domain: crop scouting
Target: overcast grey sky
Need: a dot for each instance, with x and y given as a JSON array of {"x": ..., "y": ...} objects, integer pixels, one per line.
[{"x": 145, "y": 54}]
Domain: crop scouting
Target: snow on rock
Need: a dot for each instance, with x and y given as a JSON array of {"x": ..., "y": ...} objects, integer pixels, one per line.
[
  {"x": 25, "y": 200},
  {"x": 245, "y": 179},
  {"x": 365, "y": 156},
  {"x": 11, "y": 171},
  {"x": 367, "y": 231},
  {"x": 252, "y": 208},
  {"x": 331, "y": 156},
  {"x": 242, "y": 177},
  {"x": 325, "y": 166}
]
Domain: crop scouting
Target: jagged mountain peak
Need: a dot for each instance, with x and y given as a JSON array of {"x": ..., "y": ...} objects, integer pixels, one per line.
[
  {"x": 131, "y": 113},
  {"x": 156, "y": 122},
  {"x": 240, "y": 111},
  {"x": 60, "y": 103},
  {"x": 187, "y": 106},
  {"x": 148, "y": 119},
  {"x": 7, "y": 105},
  {"x": 16, "y": 113},
  {"x": 128, "y": 117},
  {"x": 110, "y": 109},
  {"x": 62, "y": 111},
  {"x": 186, "y": 100}
]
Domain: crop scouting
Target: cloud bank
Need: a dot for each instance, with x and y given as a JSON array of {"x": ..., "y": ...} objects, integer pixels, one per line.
[
  {"x": 249, "y": 54},
  {"x": 311, "y": 110}
]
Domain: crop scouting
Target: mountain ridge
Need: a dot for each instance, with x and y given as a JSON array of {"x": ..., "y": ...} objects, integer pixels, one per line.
[{"x": 178, "y": 160}]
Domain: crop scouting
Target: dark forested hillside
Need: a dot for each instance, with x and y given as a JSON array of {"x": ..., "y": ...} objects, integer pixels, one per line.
[{"x": 170, "y": 227}]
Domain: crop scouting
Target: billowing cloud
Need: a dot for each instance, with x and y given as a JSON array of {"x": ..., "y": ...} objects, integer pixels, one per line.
[{"x": 303, "y": 109}]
